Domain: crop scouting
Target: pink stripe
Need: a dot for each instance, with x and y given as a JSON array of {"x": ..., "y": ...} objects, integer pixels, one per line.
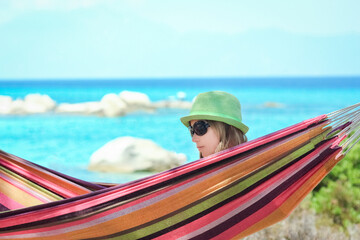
[
  {"x": 9, "y": 203},
  {"x": 336, "y": 143}
]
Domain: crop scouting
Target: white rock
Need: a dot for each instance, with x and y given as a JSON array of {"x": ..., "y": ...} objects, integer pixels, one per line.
[
  {"x": 18, "y": 107},
  {"x": 113, "y": 105},
  {"x": 70, "y": 108},
  {"x": 94, "y": 108},
  {"x": 37, "y": 103},
  {"x": 5, "y": 104},
  {"x": 135, "y": 99},
  {"x": 129, "y": 154},
  {"x": 80, "y": 108}
]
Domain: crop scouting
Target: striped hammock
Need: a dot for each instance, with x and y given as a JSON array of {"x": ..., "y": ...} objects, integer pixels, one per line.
[{"x": 228, "y": 195}]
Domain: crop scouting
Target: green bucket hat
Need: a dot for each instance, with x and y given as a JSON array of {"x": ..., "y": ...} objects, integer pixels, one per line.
[{"x": 217, "y": 106}]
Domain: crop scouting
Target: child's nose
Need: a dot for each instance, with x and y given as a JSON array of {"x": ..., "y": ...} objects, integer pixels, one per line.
[{"x": 195, "y": 138}]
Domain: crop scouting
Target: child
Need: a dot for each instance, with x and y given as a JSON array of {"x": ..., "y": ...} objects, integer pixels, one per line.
[{"x": 215, "y": 122}]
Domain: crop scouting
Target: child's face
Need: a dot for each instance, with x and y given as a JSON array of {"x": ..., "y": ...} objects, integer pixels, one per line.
[{"x": 207, "y": 143}]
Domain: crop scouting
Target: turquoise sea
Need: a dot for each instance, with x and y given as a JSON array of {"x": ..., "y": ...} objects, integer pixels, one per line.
[{"x": 66, "y": 142}]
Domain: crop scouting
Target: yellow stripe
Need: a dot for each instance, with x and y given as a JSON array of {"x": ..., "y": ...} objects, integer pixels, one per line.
[{"x": 18, "y": 195}]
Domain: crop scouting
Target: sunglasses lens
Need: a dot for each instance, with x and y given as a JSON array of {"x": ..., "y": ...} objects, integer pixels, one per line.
[{"x": 200, "y": 128}]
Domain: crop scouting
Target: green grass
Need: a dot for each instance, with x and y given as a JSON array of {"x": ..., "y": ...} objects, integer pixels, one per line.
[{"x": 338, "y": 195}]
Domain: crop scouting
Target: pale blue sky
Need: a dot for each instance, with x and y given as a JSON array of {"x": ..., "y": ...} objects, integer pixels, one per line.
[{"x": 41, "y": 39}]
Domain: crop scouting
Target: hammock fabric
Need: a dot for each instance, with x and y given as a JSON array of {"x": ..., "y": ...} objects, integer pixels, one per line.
[{"x": 228, "y": 195}]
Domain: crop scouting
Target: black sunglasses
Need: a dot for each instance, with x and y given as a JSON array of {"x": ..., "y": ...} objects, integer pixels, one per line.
[{"x": 199, "y": 127}]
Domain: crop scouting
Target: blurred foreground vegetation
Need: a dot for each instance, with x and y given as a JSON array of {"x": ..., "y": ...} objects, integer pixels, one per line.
[{"x": 331, "y": 212}]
